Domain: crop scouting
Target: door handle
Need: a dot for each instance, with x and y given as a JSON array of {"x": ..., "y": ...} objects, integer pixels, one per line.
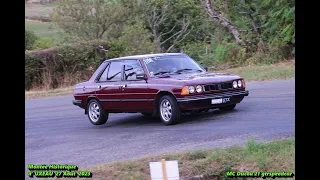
[
  {"x": 123, "y": 86},
  {"x": 103, "y": 86}
]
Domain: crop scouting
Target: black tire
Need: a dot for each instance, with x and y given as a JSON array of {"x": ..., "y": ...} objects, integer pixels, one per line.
[
  {"x": 175, "y": 110},
  {"x": 228, "y": 107},
  {"x": 99, "y": 112}
]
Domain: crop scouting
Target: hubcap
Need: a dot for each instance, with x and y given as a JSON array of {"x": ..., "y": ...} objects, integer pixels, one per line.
[
  {"x": 165, "y": 110},
  {"x": 94, "y": 112}
]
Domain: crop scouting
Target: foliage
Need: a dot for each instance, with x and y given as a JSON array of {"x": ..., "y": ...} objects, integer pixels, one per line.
[
  {"x": 229, "y": 54},
  {"x": 43, "y": 43},
  {"x": 30, "y": 39},
  {"x": 194, "y": 49},
  {"x": 279, "y": 24},
  {"x": 148, "y": 26},
  {"x": 89, "y": 19},
  {"x": 136, "y": 40},
  {"x": 174, "y": 23},
  {"x": 266, "y": 21},
  {"x": 62, "y": 65}
]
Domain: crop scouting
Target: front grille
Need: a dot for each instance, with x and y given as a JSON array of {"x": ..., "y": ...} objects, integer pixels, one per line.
[{"x": 220, "y": 86}]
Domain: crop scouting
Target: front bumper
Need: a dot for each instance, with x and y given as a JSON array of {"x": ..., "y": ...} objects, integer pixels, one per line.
[
  {"x": 78, "y": 103},
  {"x": 204, "y": 101}
]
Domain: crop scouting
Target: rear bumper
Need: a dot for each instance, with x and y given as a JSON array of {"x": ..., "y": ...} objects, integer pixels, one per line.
[
  {"x": 204, "y": 101},
  {"x": 78, "y": 103}
]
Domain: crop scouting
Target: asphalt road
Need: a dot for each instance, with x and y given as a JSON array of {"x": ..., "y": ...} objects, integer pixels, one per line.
[{"x": 57, "y": 132}]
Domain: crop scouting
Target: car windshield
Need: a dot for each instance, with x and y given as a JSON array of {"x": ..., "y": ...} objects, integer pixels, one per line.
[{"x": 172, "y": 64}]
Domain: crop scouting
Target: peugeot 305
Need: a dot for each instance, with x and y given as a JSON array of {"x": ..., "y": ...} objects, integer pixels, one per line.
[{"x": 164, "y": 85}]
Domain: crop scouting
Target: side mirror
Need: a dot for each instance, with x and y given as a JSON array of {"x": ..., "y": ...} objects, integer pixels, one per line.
[
  {"x": 141, "y": 76},
  {"x": 205, "y": 68}
]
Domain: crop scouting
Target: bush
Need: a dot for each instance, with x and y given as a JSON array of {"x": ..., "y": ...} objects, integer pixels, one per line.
[
  {"x": 32, "y": 70},
  {"x": 39, "y": 18},
  {"x": 43, "y": 43},
  {"x": 115, "y": 50},
  {"x": 272, "y": 55},
  {"x": 30, "y": 39},
  {"x": 62, "y": 66},
  {"x": 195, "y": 50},
  {"x": 227, "y": 54}
]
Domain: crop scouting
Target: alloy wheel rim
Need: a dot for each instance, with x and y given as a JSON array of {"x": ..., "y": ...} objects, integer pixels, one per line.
[
  {"x": 166, "y": 110},
  {"x": 94, "y": 112}
]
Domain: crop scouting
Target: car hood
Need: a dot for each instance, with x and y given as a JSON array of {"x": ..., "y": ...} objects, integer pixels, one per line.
[{"x": 201, "y": 78}]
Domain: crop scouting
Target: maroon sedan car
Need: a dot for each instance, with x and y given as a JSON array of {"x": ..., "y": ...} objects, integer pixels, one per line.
[{"x": 162, "y": 85}]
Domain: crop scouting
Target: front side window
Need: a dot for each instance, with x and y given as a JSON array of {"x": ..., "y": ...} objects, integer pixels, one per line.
[
  {"x": 131, "y": 69},
  {"x": 171, "y": 64}
]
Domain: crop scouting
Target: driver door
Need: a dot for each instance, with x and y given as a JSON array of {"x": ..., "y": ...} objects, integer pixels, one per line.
[{"x": 134, "y": 91}]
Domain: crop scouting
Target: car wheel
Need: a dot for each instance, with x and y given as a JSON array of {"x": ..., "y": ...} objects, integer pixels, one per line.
[
  {"x": 169, "y": 110},
  {"x": 228, "y": 107},
  {"x": 96, "y": 114}
]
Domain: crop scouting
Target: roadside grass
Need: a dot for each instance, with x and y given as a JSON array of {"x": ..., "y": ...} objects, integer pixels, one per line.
[
  {"x": 276, "y": 156},
  {"x": 33, "y": 94},
  {"x": 52, "y": 4},
  {"x": 282, "y": 70},
  {"x": 43, "y": 29}
]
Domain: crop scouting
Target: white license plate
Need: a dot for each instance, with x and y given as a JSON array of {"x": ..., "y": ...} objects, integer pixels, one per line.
[{"x": 220, "y": 101}]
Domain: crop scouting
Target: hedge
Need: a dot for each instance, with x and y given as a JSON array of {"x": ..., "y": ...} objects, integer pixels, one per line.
[
  {"x": 39, "y": 18},
  {"x": 63, "y": 65}
]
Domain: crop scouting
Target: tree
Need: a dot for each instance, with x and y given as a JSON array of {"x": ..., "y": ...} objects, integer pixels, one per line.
[
  {"x": 136, "y": 39},
  {"x": 217, "y": 17},
  {"x": 278, "y": 21},
  {"x": 157, "y": 15},
  {"x": 89, "y": 19}
]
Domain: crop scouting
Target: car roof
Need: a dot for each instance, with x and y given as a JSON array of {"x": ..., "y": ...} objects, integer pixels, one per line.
[{"x": 144, "y": 56}]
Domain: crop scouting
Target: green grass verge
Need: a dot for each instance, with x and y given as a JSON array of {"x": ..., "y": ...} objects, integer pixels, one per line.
[
  {"x": 43, "y": 29},
  {"x": 52, "y": 4},
  {"x": 284, "y": 70},
  {"x": 48, "y": 93},
  {"x": 276, "y": 156}
]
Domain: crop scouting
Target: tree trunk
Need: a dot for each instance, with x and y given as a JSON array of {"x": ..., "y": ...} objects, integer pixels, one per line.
[
  {"x": 216, "y": 17},
  {"x": 257, "y": 31}
]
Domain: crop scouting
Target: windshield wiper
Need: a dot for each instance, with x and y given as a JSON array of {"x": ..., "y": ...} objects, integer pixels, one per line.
[
  {"x": 161, "y": 72},
  {"x": 187, "y": 69}
]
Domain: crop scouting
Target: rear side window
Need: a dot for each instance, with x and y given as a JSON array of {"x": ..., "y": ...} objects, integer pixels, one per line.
[
  {"x": 104, "y": 75},
  {"x": 114, "y": 73}
]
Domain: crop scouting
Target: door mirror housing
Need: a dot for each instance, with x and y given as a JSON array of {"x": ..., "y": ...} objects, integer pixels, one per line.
[{"x": 141, "y": 76}]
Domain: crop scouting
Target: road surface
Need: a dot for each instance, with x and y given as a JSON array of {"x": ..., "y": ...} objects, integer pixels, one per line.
[{"x": 57, "y": 132}]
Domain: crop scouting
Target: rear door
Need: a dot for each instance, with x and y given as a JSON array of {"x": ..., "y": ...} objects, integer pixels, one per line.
[
  {"x": 109, "y": 92},
  {"x": 134, "y": 91}
]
